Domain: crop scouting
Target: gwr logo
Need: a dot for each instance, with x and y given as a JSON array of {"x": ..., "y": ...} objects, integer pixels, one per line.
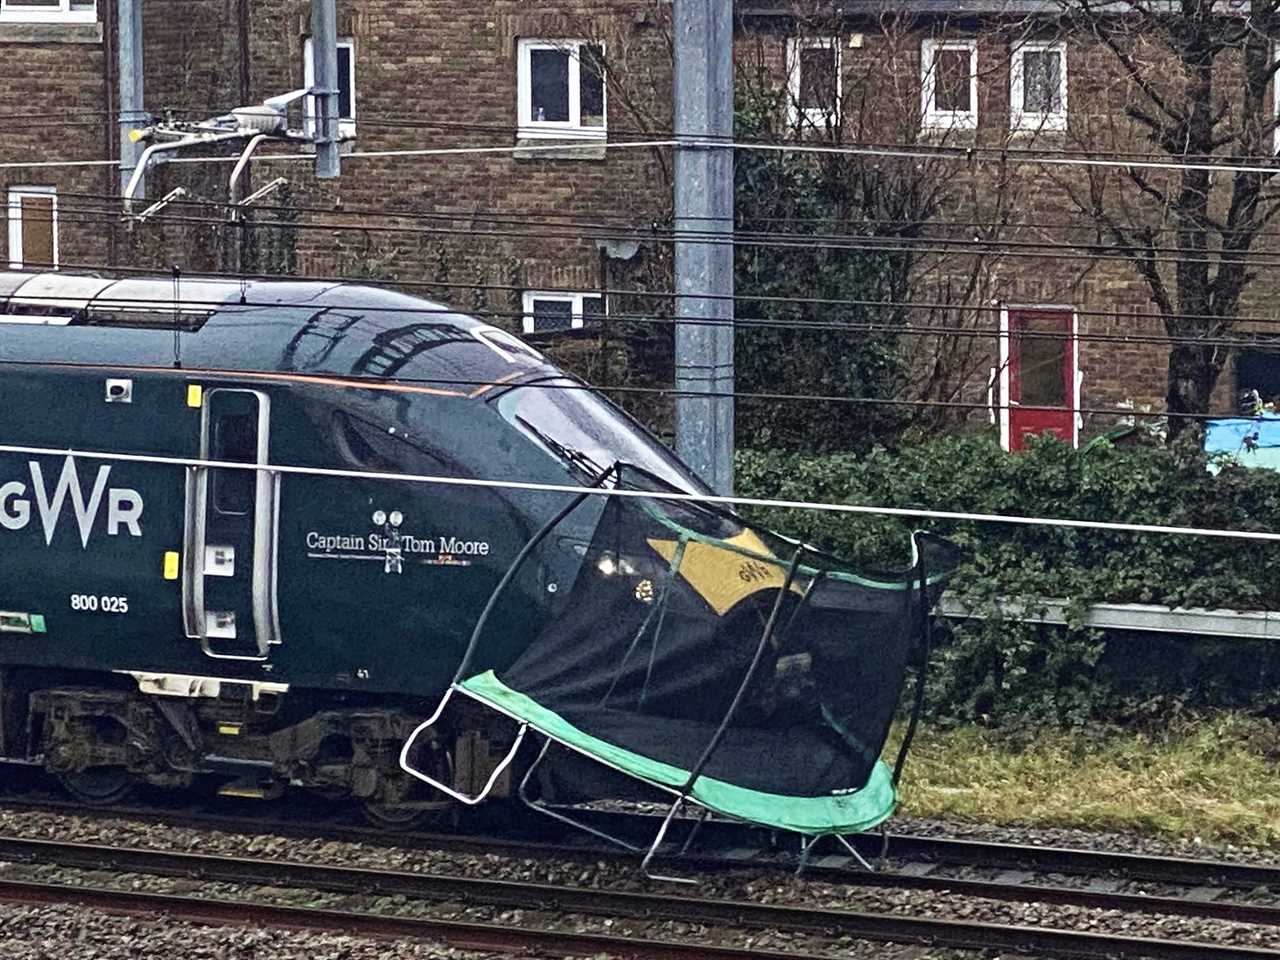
[
  {"x": 124, "y": 506},
  {"x": 752, "y": 571}
]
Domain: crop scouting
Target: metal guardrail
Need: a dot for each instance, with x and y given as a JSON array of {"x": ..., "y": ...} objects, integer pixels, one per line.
[{"x": 1238, "y": 624}]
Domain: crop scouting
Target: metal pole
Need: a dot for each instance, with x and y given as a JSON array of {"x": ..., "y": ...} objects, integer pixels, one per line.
[
  {"x": 130, "y": 80},
  {"x": 704, "y": 270},
  {"x": 324, "y": 49}
]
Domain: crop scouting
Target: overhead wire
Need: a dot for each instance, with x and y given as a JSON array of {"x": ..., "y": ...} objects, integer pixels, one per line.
[
  {"x": 927, "y": 246},
  {"x": 624, "y": 317},
  {"x": 188, "y": 463},
  {"x": 1125, "y": 413},
  {"x": 929, "y": 243},
  {"x": 570, "y": 143},
  {"x": 1110, "y": 316},
  {"x": 669, "y": 136}
]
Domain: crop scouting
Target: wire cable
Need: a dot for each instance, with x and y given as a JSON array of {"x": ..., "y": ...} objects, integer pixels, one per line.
[
  {"x": 669, "y": 497},
  {"x": 904, "y": 329},
  {"x": 906, "y": 152},
  {"x": 365, "y": 381},
  {"x": 1112, "y": 315}
]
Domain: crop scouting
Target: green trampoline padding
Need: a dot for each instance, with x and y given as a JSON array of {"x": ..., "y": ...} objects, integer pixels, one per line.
[{"x": 847, "y": 813}]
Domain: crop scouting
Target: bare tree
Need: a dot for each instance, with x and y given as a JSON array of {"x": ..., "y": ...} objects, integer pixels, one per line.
[{"x": 1191, "y": 81}]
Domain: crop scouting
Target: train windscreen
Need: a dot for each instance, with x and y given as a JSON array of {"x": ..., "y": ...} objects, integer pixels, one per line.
[{"x": 589, "y": 434}]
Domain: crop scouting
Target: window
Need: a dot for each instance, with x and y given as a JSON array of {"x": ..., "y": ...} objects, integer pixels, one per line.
[
  {"x": 1275, "y": 101},
  {"x": 588, "y": 434},
  {"x": 1258, "y": 369},
  {"x": 561, "y": 89},
  {"x": 33, "y": 227},
  {"x": 1038, "y": 87},
  {"x": 49, "y": 11},
  {"x": 949, "y": 84},
  {"x": 346, "y": 87},
  {"x": 813, "y": 80},
  {"x": 552, "y": 312},
  {"x": 235, "y": 440}
]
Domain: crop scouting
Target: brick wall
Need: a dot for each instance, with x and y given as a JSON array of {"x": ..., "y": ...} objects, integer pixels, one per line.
[
  {"x": 431, "y": 73},
  {"x": 52, "y": 99},
  {"x": 437, "y": 74},
  {"x": 1039, "y": 208}
]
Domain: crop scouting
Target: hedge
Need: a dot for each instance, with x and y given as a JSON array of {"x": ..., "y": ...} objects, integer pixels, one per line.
[{"x": 1001, "y": 670}]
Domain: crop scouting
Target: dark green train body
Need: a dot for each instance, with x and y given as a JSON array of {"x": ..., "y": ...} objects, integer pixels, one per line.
[{"x": 159, "y": 619}]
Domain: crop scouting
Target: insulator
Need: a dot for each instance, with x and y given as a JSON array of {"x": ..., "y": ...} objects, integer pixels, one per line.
[{"x": 260, "y": 119}]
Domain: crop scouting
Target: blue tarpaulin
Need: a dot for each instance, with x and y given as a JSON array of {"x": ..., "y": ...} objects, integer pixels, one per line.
[{"x": 1253, "y": 441}]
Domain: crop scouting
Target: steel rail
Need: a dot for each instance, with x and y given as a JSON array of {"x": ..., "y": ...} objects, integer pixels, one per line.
[
  {"x": 1206, "y": 879},
  {"x": 1178, "y": 871},
  {"x": 1134, "y": 866},
  {"x": 815, "y": 922},
  {"x": 502, "y": 938}
]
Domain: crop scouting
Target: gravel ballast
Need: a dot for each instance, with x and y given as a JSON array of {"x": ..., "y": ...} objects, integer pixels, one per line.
[
  {"x": 747, "y": 885},
  {"x": 45, "y": 932}
]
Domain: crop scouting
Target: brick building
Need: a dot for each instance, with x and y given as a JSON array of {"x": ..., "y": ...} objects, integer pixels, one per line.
[
  {"x": 536, "y": 233},
  {"x": 55, "y": 100}
]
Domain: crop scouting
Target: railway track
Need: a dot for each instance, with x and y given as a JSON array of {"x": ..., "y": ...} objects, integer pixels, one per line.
[
  {"x": 1205, "y": 889},
  {"x": 494, "y": 937},
  {"x": 818, "y": 926}
]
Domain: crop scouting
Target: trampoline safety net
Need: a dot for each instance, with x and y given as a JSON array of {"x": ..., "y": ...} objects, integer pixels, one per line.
[{"x": 725, "y": 664}]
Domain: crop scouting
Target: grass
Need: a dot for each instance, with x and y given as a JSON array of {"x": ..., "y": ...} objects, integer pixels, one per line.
[{"x": 1215, "y": 779}]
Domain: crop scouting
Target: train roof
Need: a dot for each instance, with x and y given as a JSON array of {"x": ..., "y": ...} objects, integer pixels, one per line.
[{"x": 308, "y": 327}]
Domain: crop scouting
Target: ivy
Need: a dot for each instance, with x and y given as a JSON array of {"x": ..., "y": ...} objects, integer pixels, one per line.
[
  {"x": 796, "y": 295},
  {"x": 1001, "y": 669}
]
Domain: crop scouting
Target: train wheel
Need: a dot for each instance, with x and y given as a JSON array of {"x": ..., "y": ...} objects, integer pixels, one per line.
[
  {"x": 409, "y": 818},
  {"x": 99, "y": 786}
]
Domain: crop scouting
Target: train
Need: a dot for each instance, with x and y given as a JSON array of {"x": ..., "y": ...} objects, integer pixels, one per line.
[{"x": 248, "y": 529}]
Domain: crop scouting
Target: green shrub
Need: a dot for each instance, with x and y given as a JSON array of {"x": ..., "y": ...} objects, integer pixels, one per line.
[{"x": 1003, "y": 670}]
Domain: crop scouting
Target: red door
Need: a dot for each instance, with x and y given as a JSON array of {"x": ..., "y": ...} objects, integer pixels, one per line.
[{"x": 1042, "y": 375}]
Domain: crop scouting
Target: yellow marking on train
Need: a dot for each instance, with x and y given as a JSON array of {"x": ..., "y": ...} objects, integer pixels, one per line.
[
  {"x": 171, "y": 564},
  {"x": 724, "y": 577},
  {"x": 242, "y": 792},
  {"x": 195, "y": 395},
  {"x": 229, "y": 729}
]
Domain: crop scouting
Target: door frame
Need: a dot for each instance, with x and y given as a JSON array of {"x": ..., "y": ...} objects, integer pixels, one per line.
[
  {"x": 263, "y": 581},
  {"x": 1077, "y": 378}
]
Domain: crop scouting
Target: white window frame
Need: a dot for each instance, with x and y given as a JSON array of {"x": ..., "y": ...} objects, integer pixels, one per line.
[
  {"x": 62, "y": 13},
  {"x": 556, "y": 129},
  {"x": 947, "y": 119},
  {"x": 575, "y": 300},
  {"x": 815, "y": 115},
  {"x": 1030, "y": 120},
  {"x": 346, "y": 126},
  {"x": 16, "y": 195},
  {"x": 1275, "y": 102}
]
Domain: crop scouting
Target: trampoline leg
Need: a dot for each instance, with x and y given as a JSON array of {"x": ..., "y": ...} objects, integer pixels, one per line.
[
  {"x": 657, "y": 842},
  {"x": 854, "y": 853},
  {"x": 539, "y": 807},
  {"x": 694, "y": 832},
  {"x": 884, "y": 842},
  {"x": 806, "y": 848}
]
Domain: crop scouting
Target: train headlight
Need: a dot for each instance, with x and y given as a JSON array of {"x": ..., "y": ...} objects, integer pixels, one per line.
[{"x": 644, "y": 591}]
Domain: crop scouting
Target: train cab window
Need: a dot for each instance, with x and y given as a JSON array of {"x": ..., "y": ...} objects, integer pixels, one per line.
[
  {"x": 588, "y": 434},
  {"x": 235, "y": 440}
]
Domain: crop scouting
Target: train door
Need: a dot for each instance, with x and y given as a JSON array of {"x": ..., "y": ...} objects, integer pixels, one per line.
[
  {"x": 1041, "y": 382},
  {"x": 230, "y": 572}
]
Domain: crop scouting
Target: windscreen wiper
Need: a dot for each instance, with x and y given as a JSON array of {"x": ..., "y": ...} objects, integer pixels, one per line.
[{"x": 565, "y": 452}]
